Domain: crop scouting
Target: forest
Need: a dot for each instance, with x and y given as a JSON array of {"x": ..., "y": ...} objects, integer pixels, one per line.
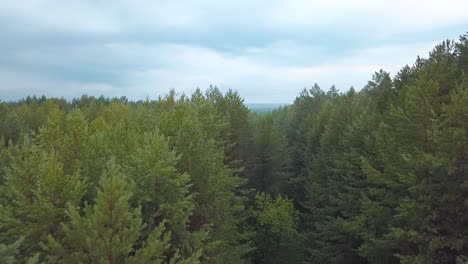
[{"x": 374, "y": 175}]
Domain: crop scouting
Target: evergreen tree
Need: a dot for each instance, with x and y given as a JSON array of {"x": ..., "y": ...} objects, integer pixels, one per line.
[
  {"x": 217, "y": 205},
  {"x": 272, "y": 172},
  {"x": 335, "y": 181},
  {"x": 109, "y": 230},
  {"x": 405, "y": 144},
  {"x": 462, "y": 53},
  {"x": 275, "y": 236},
  {"x": 162, "y": 192},
  {"x": 8, "y": 253},
  {"x": 35, "y": 197},
  {"x": 239, "y": 147},
  {"x": 303, "y": 136},
  {"x": 76, "y": 143}
]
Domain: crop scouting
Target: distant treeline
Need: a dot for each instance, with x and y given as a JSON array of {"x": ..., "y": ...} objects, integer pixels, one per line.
[{"x": 378, "y": 175}]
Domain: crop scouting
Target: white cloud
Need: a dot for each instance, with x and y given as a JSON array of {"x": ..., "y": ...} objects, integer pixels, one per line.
[
  {"x": 185, "y": 68},
  {"x": 376, "y": 16},
  {"x": 391, "y": 57},
  {"x": 70, "y": 16},
  {"x": 149, "y": 47},
  {"x": 16, "y": 85},
  {"x": 188, "y": 67}
]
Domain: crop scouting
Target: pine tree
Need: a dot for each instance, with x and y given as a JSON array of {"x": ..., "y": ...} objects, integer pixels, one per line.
[
  {"x": 8, "y": 253},
  {"x": 162, "y": 192},
  {"x": 335, "y": 180},
  {"x": 51, "y": 133},
  {"x": 273, "y": 161},
  {"x": 381, "y": 90},
  {"x": 462, "y": 53},
  {"x": 76, "y": 143},
  {"x": 35, "y": 197},
  {"x": 110, "y": 230},
  {"x": 275, "y": 236},
  {"x": 406, "y": 146},
  {"x": 217, "y": 206},
  {"x": 239, "y": 147},
  {"x": 303, "y": 138},
  {"x": 99, "y": 153}
]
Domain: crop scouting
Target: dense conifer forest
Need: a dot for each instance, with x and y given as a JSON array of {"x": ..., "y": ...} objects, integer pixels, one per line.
[{"x": 373, "y": 175}]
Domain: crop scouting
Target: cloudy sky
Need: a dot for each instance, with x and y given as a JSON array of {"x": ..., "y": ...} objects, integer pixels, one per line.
[{"x": 267, "y": 50}]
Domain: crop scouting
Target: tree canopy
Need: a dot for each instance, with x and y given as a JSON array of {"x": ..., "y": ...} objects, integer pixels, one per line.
[{"x": 372, "y": 175}]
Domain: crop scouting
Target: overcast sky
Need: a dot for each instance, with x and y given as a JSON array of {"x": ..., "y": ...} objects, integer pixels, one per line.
[{"x": 267, "y": 50}]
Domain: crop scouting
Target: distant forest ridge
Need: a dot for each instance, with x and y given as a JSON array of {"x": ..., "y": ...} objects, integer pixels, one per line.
[{"x": 264, "y": 107}]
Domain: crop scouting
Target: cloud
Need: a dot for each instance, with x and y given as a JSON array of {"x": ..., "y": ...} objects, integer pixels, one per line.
[
  {"x": 398, "y": 15},
  {"x": 70, "y": 16},
  {"x": 188, "y": 67},
  {"x": 155, "y": 69},
  {"x": 259, "y": 20},
  {"x": 268, "y": 50},
  {"x": 17, "y": 85}
]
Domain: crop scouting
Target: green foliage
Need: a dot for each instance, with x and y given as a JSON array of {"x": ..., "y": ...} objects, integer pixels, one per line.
[
  {"x": 273, "y": 161},
  {"x": 35, "y": 197},
  {"x": 275, "y": 226},
  {"x": 377, "y": 175},
  {"x": 8, "y": 253},
  {"x": 171, "y": 170},
  {"x": 109, "y": 230},
  {"x": 162, "y": 192}
]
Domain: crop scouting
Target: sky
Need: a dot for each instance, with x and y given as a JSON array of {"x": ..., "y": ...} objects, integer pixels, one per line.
[{"x": 266, "y": 50}]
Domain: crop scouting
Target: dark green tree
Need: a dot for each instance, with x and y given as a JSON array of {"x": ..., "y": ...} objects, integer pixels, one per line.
[
  {"x": 109, "y": 230},
  {"x": 275, "y": 236},
  {"x": 273, "y": 161}
]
